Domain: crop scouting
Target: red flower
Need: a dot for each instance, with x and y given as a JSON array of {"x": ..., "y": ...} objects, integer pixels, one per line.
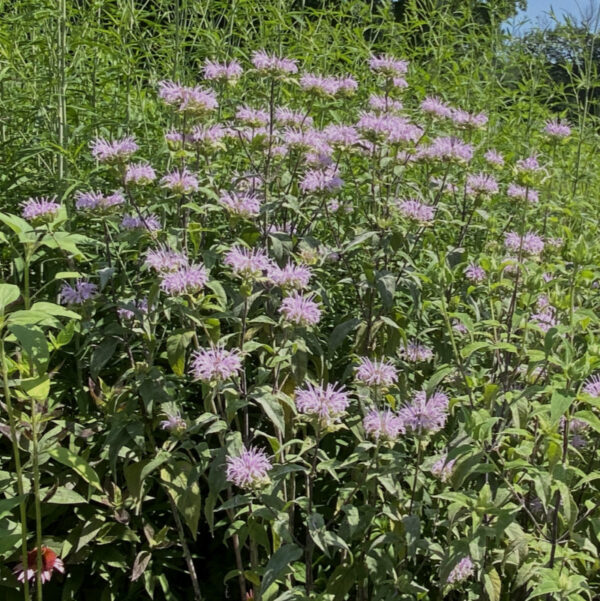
[{"x": 50, "y": 562}]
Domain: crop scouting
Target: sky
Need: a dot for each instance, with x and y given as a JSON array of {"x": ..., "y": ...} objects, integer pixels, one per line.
[{"x": 537, "y": 11}]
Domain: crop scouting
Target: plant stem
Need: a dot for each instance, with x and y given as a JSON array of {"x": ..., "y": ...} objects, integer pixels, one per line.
[{"x": 36, "y": 493}]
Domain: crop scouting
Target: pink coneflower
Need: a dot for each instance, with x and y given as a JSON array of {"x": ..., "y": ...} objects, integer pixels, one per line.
[
  {"x": 230, "y": 71},
  {"x": 321, "y": 180},
  {"x": 327, "y": 403},
  {"x": 50, "y": 562},
  {"x": 522, "y": 193},
  {"x": 188, "y": 99},
  {"x": 376, "y": 373},
  {"x": 149, "y": 222},
  {"x": 165, "y": 259},
  {"x": 481, "y": 184},
  {"x": 461, "y": 571},
  {"x": 272, "y": 64},
  {"x": 416, "y": 352},
  {"x": 186, "y": 280},
  {"x": 140, "y": 174},
  {"x": 475, "y": 273},
  {"x": 443, "y": 469},
  {"x": 493, "y": 157},
  {"x": 180, "y": 181},
  {"x": 174, "y": 423},
  {"x": 250, "y": 469},
  {"x": 425, "y": 414},
  {"x": 382, "y": 425},
  {"x": 40, "y": 209},
  {"x": 291, "y": 118},
  {"x": 556, "y": 129},
  {"x": 388, "y": 65},
  {"x": 115, "y": 150},
  {"x": 78, "y": 294},
  {"x": 435, "y": 107},
  {"x": 215, "y": 364},
  {"x": 242, "y": 205},
  {"x": 416, "y": 210},
  {"x": 246, "y": 262},
  {"x": 290, "y": 276},
  {"x": 592, "y": 386},
  {"x": 300, "y": 309}
]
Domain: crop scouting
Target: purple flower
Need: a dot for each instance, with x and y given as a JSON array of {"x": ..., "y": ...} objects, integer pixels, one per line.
[
  {"x": 423, "y": 415},
  {"x": 435, "y": 107},
  {"x": 447, "y": 149},
  {"x": 252, "y": 117},
  {"x": 117, "y": 150},
  {"x": 230, "y": 71},
  {"x": 290, "y": 276},
  {"x": 459, "y": 327},
  {"x": 250, "y": 469},
  {"x": 522, "y": 193},
  {"x": 300, "y": 310},
  {"x": 493, "y": 157},
  {"x": 592, "y": 386},
  {"x": 188, "y": 99},
  {"x": 384, "y": 104},
  {"x": 78, "y": 294},
  {"x": 376, "y": 373},
  {"x": 556, "y": 129},
  {"x": 272, "y": 64},
  {"x": 215, "y": 364},
  {"x": 40, "y": 209},
  {"x": 180, "y": 181},
  {"x": 321, "y": 180},
  {"x": 443, "y": 469},
  {"x": 242, "y": 205},
  {"x": 326, "y": 403},
  {"x": 545, "y": 319},
  {"x": 209, "y": 135},
  {"x": 416, "y": 352},
  {"x": 150, "y": 222},
  {"x": 467, "y": 120},
  {"x": 347, "y": 85},
  {"x": 417, "y": 211},
  {"x": 481, "y": 183},
  {"x": 96, "y": 201},
  {"x": 247, "y": 263},
  {"x": 319, "y": 84},
  {"x": 529, "y": 243},
  {"x": 165, "y": 259},
  {"x": 174, "y": 139},
  {"x": 132, "y": 309},
  {"x": 139, "y": 173},
  {"x": 340, "y": 135},
  {"x": 384, "y": 425},
  {"x": 461, "y": 571},
  {"x": 475, "y": 273},
  {"x": 387, "y": 65},
  {"x": 394, "y": 129},
  {"x": 174, "y": 423},
  {"x": 528, "y": 165},
  {"x": 288, "y": 117},
  {"x": 186, "y": 280}
]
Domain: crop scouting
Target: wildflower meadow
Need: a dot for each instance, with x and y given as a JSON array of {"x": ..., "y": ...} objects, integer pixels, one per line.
[{"x": 298, "y": 301}]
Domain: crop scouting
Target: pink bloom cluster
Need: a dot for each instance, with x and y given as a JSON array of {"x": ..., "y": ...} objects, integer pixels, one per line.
[
  {"x": 140, "y": 174},
  {"x": 78, "y": 294},
  {"x": 150, "y": 222},
  {"x": 187, "y": 99},
  {"x": 300, "y": 309},
  {"x": 117, "y": 150},
  {"x": 376, "y": 373},
  {"x": 325, "y": 402},
  {"x": 180, "y": 181},
  {"x": 250, "y": 469},
  {"x": 425, "y": 414},
  {"x": 382, "y": 425},
  {"x": 522, "y": 193},
  {"x": 188, "y": 279},
  {"x": 230, "y": 71},
  {"x": 529, "y": 243},
  {"x": 461, "y": 571},
  {"x": 96, "y": 201},
  {"x": 215, "y": 364},
  {"x": 416, "y": 210},
  {"x": 272, "y": 64},
  {"x": 40, "y": 209}
]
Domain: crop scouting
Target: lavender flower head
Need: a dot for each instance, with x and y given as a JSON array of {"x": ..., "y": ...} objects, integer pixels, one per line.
[
  {"x": 461, "y": 571},
  {"x": 592, "y": 386},
  {"x": 247, "y": 263},
  {"x": 319, "y": 85},
  {"x": 225, "y": 72},
  {"x": 384, "y": 104},
  {"x": 416, "y": 211},
  {"x": 481, "y": 184},
  {"x": 528, "y": 165},
  {"x": 523, "y": 193},
  {"x": 425, "y": 415},
  {"x": 435, "y": 107},
  {"x": 250, "y": 469},
  {"x": 382, "y": 425},
  {"x": 443, "y": 469},
  {"x": 557, "y": 130},
  {"x": 117, "y": 150},
  {"x": 252, "y": 117},
  {"x": 447, "y": 149},
  {"x": 327, "y": 403},
  {"x": 40, "y": 209},
  {"x": 376, "y": 373},
  {"x": 78, "y": 294},
  {"x": 174, "y": 423},
  {"x": 321, "y": 180},
  {"x": 186, "y": 280},
  {"x": 273, "y": 65},
  {"x": 96, "y": 201},
  {"x": 186, "y": 99},
  {"x": 291, "y": 118},
  {"x": 468, "y": 120},
  {"x": 209, "y": 136},
  {"x": 493, "y": 157},
  {"x": 240, "y": 204},
  {"x": 387, "y": 65},
  {"x": 475, "y": 273},
  {"x": 300, "y": 309},
  {"x": 132, "y": 309},
  {"x": 164, "y": 259},
  {"x": 416, "y": 352},
  {"x": 215, "y": 364},
  {"x": 290, "y": 276},
  {"x": 180, "y": 181},
  {"x": 140, "y": 174},
  {"x": 151, "y": 222},
  {"x": 529, "y": 243}
]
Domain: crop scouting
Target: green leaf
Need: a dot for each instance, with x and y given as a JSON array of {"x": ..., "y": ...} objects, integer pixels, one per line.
[
  {"x": 181, "y": 482},
  {"x": 9, "y": 293},
  {"x": 33, "y": 342},
  {"x": 280, "y": 564},
  {"x": 6, "y": 505},
  {"x": 78, "y": 464},
  {"x": 65, "y": 496},
  {"x": 468, "y": 350},
  {"x": 55, "y": 310},
  {"x": 102, "y": 354},
  {"x": 340, "y": 332},
  {"x": 176, "y": 346},
  {"x": 559, "y": 405},
  {"x": 272, "y": 407},
  {"x": 386, "y": 286},
  {"x": 493, "y": 585},
  {"x": 8, "y": 542}
]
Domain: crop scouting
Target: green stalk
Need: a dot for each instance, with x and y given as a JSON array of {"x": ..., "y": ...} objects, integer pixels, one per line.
[
  {"x": 17, "y": 457},
  {"x": 36, "y": 492},
  {"x": 62, "y": 85}
]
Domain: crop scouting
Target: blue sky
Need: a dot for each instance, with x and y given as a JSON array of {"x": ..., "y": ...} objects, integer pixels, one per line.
[{"x": 537, "y": 11}]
